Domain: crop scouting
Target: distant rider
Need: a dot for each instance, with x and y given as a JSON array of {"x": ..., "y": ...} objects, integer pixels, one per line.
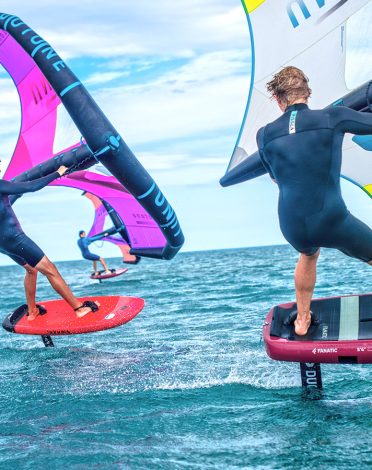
[
  {"x": 302, "y": 151},
  {"x": 18, "y": 246},
  {"x": 83, "y": 244}
]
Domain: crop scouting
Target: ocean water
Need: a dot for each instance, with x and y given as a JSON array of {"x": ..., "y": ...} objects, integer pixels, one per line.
[{"x": 187, "y": 383}]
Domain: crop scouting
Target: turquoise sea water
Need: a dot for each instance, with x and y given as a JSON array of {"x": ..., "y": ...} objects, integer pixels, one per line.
[{"x": 187, "y": 383}]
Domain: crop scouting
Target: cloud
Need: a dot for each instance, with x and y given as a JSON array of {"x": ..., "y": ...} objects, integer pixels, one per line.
[
  {"x": 117, "y": 27},
  {"x": 104, "y": 77},
  {"x": 206, "y": 95}
]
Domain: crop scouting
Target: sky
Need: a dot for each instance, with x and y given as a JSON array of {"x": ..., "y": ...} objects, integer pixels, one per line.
[{"x": 173, "y": 78}]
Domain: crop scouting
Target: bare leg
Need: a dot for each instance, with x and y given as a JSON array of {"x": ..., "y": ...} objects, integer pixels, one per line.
[
  {"x": 305, "y": 277},
  {"x": 94, "y": 266},
  {"x": 370, "y": 262},
  {"x": 103, "y": 262},
  {"x": 46, "y": 267},
  {"x": 30, "y": 291}
]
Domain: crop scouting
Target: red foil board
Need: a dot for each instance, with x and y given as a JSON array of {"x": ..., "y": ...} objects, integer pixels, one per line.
[
  {"x": 60, "y": 318},
  {"x": 118, "y": 272}
]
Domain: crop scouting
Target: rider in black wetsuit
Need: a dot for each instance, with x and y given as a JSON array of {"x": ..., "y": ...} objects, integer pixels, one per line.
[
  {"x": 13, "y": 241},
  {"x": 16, "y": 244},
  {"x": 302, "y": 151}
]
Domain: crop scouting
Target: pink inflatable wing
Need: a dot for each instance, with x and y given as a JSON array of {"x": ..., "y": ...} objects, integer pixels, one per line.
[
  {"x": 142, "y": 231},
  {"x": 117, "y": 235},
  {"x": 143, "y": 217},
  {"x": 38, "y": 103}
]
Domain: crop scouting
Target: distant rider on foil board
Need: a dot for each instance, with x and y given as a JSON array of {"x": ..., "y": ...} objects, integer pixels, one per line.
[
  {"x": 83, "y": 244},
  {"x": 18, "y": 246},
  {"x": 302, "y": 151}
]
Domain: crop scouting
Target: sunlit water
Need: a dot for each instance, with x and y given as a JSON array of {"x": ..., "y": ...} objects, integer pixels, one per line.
[{"x": 187, "y": 383}]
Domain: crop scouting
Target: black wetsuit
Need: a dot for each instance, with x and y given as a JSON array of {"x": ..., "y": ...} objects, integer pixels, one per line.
[
  {"x": 83, "y": 244},
  {"x": 13, "y": 241},
  {"x": 302, "y": 151}
]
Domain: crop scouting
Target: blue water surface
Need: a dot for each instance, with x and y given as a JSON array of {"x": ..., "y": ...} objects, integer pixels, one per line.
[{"x": 187, "y": 383}]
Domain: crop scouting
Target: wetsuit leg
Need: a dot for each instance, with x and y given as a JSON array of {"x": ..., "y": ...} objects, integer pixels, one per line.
[
  {"x": 354, "y": 238},
  {"x": 14, "y": 257},
  {"x": 296, "y": 236},
  {"x": 301, "y": 248},
  {"x": 23, "y": 248},
  {"x": 91, "y": 257},
  {"x": 309, "y": 251}
]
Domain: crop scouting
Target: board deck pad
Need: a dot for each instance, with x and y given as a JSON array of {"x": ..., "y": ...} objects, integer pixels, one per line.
[
  {"x": 114, "y": 273},
  {"x": 60, "y": 319},
  {"x": 341, "y": 332}
]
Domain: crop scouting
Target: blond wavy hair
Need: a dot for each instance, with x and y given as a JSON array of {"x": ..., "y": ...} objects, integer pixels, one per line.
[{"x": 289, "y": 85}]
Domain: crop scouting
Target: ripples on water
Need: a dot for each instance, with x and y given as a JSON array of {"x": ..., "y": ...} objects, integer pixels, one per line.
[{"x": 187, "y": 383}]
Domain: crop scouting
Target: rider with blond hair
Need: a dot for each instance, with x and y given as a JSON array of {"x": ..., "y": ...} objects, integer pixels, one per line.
[{"x": 302, "y": 151}]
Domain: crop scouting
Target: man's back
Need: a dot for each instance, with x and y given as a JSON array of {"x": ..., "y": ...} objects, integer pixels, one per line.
[
  {"x": 83, "y": 245},
  {"x": 302, "y": 150}
]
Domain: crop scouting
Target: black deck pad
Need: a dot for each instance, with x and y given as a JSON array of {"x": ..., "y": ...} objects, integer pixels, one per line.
[
  {"x": 12, "y": 319},
  {"x": 326, "y": 322}
]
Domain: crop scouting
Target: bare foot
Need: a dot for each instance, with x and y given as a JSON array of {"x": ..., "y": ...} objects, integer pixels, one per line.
[
  {"x": 302, "y": 324},
  {"x": 31, "y": 315},
  {"x": 84, "y": 310},
  {"x": 107, "y": 272}
]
